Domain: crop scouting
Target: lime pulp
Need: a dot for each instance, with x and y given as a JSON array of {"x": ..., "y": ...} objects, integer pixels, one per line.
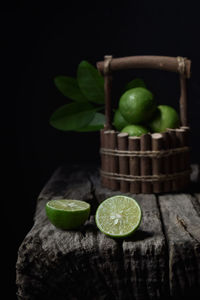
[{"x": 118, "y": 216}]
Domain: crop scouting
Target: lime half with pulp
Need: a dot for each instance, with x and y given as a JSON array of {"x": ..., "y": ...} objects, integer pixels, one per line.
[
  {"x": 118, "y": 216},
  {"x": 67, "y": 214}
]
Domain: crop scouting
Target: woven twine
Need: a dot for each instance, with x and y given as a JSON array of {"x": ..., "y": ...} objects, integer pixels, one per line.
[
  {"x": 144, "y": 178},
  {"x": 156, "y": 154}
]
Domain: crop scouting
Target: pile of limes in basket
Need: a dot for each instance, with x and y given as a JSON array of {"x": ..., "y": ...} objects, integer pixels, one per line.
[{"x": 138, "y": 113}]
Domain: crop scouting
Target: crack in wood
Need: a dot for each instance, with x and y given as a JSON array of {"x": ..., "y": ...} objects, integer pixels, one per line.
[
  {"x": 166, "y": 245},
  {"x": 196, "y": 202},
  {"x": 184, "y": 225}
]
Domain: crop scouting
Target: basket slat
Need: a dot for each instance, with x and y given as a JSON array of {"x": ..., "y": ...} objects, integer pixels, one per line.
[
  {"x": 174, "y": 158},
  {"x": 146, "y": 169},
  {"x": 114, "y": 163},
  {"x": 123, "y": 161},
  {"x": 167, "y": 166},
  {"x": 157, "y": 162},
  {"x": 134, "y": 163}
]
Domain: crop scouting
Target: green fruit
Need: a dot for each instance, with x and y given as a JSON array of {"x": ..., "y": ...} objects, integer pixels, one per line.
[
  {"x": 118, "y": 216},
  {"x": 137, "y": 105},
  {"x": 118, "y": 121},
  {"x": 135, "y": 130},
  {"x": 67, "y": 214},
  {"x": 165, "y": 117}
]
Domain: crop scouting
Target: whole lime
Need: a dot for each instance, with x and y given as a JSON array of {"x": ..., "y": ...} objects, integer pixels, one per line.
[
  {"x": 135, "y": 130},
  {"x": 118, "y": 120},
  {"x": 165, "y": 117},
  {"x": 137, "y": 105}
]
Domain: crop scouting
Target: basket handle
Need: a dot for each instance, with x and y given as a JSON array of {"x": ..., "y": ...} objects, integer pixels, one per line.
[{"x": 179, "y": 65}]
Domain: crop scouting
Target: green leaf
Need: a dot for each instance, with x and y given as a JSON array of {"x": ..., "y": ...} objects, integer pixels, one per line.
[
  {"x": 72, "y": 116},
  {"x": 95, "y": 124},
  {"x": 137, "y": 82},
  {"x": 91, "y": 82},
  {"x": 69, "y": 87}
]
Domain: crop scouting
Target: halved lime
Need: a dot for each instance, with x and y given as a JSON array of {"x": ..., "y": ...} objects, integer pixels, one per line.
[
  {"x": 118, "y": 216},
  {"x": 67, "y": 214}
]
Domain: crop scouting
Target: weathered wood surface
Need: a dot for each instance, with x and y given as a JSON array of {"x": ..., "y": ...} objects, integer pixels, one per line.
[{"x": 160, "y": 261}]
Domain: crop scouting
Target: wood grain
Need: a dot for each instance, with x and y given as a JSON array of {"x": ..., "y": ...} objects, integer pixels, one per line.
[
  {"x": 181, "y": 226},
  {"x": 145, "y": 253},
  {"x": 160, "y": 261}
]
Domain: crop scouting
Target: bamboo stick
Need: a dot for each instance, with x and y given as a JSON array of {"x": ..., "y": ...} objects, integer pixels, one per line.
[
  {"x": 183, "y": 100},
  {"x": 113, "y": 162},
  {"x": 174, "y": 158},
  {"x": 122, "y": 139},
  {"x": 103, "y": 157},
  {"x": 187, "y": 131},
  {"x": 107, "y": 157},
  {"x": 181, "y": 136},
  {"x": 187, "y": 143},
  {"x": 157, "y": 145},
  {"x": 186, "y": 155},
  {"x": 134, "y": 163},
  {"x": 145, "y": 165},
  {"x": 166, "y": 162}
]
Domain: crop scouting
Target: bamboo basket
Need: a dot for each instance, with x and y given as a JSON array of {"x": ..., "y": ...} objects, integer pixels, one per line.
[{"x": 152, "y": 163}]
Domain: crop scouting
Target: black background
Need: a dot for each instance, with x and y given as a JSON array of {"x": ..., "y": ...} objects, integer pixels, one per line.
[{"x": 40, "y": 43}]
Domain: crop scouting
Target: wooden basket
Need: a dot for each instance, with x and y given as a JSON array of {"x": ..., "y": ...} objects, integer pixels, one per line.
[{"x": 152, "y": 163}]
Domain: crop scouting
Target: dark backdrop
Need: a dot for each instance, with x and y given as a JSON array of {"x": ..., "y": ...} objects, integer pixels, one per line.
[{"x": 41, "y": 43}]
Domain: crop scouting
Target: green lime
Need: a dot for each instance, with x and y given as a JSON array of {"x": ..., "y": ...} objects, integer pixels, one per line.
[
  {"x": 118, "y": 120},
  {"x": 118, "y": 216},
  {"x": 67, "y": 214},
  {"x": 137, "y": 105},
  {"x": 165, "y": 117},
  {"x": 135, "y": 130}
]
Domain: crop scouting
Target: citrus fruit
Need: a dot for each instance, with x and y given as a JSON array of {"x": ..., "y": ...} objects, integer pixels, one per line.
[
  {"x": 118, "y": 216},
  {"x": 137, "y": 105},
  {"x": 118, "y": 120},
  {"x": 135, "y": 130},
  {"x": 67, "y": 214},
  {"x": 165, "y": 117}
]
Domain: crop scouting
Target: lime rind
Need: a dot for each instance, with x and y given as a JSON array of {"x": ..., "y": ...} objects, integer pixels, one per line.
[{"x": 118, "y": 216}]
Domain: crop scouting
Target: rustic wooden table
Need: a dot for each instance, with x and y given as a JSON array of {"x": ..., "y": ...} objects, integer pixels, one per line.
[{"x": 160, "y": 261}]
